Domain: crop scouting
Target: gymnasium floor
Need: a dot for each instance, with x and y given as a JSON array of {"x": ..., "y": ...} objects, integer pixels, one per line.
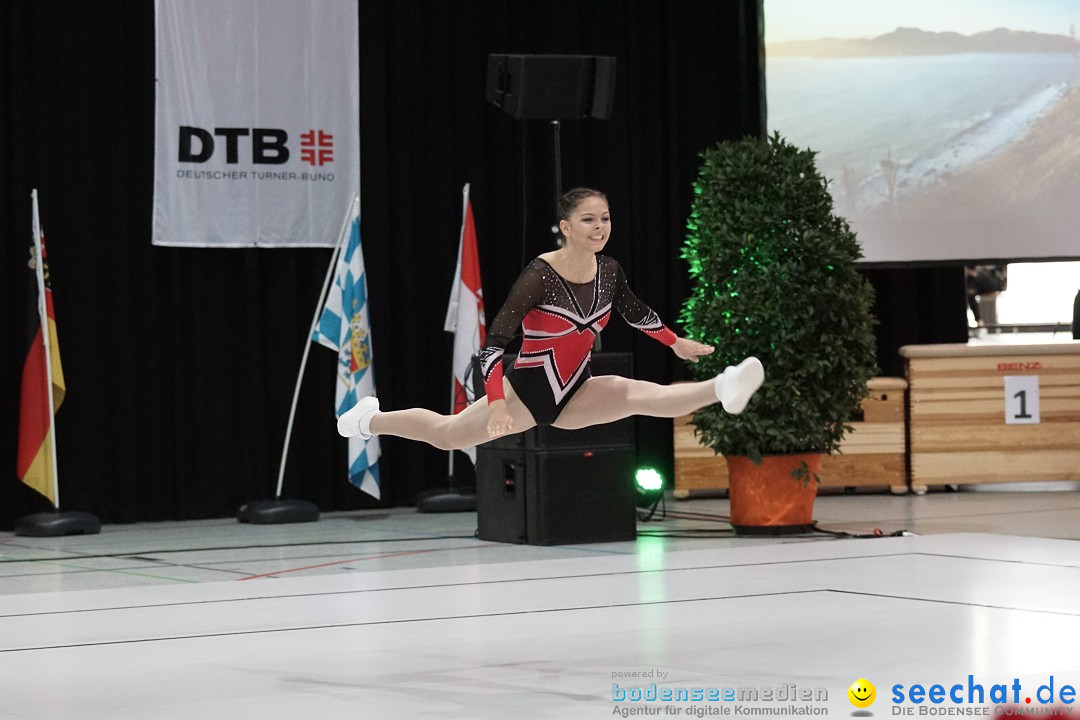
[{"x": 396, "y": 614}]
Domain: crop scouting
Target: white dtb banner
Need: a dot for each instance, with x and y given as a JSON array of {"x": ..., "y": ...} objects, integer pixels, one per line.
[{"x": 258, "y": 121}]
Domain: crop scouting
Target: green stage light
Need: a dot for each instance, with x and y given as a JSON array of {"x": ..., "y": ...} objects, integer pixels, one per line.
[
  {"x": 649, "y": 480},
  {"x": 650, "y": 487}
]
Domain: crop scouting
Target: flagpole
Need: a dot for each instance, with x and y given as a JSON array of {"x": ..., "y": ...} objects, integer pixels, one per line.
[
  {"x": 450, "y": 499},
  {"x": 43, "y": 314},
  {"x": 450, "y": 454},
  {"x": 266, "y": 512},
  {"x": 50, "y": 524},
  {"x": 457, "y": 279},
  {"x": 307, "y": 342}
]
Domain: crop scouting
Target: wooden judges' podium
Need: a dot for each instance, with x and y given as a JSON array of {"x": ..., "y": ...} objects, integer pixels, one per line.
[
  {"x": 993, "y": 413},
  {"x": 872, "y": 454}
]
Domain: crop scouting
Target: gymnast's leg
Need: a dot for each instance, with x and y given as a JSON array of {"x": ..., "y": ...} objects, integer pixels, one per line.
[
  {"x": 606, "y": 398},
  {"x": 446, "y": 432}
]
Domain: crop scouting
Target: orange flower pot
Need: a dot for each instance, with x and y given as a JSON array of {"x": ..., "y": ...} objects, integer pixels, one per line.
[{"x": 766, "y": 499}]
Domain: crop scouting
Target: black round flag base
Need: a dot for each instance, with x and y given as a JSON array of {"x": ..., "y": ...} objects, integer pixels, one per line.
[
  {"x": 57, "y": 524},
  {"x": 445, "y": 500},
  {"x": 277, "y": 512}
]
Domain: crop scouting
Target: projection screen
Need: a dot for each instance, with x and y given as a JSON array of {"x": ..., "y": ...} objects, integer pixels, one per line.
[{"x": 949, "y": 131}]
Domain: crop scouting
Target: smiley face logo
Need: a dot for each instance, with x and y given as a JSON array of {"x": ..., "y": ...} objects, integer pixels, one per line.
[{"x": 862, "y": 693}]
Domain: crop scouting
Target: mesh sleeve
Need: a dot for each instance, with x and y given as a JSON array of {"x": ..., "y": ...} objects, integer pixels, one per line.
[
  {"x": 637, "y": 314},
  {"x": 526, "y": 294}
]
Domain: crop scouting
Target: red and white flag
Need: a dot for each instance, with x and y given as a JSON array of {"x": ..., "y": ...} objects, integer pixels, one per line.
[{"x": 465, "y": 315}]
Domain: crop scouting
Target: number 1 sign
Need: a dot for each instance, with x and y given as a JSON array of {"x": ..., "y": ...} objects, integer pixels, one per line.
[{"x": 1021, "y": 399}]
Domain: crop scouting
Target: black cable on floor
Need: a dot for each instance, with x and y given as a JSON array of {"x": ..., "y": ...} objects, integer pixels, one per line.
[
  {"x": 687, "y": 533},
  {"x": 877, "y": 533}
]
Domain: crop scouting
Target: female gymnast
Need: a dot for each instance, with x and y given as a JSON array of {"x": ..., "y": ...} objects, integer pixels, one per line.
[{"x": 561, "y": 301}]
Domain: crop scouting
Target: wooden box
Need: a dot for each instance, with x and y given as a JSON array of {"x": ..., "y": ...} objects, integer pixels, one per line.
[
  {"x": 871, "y": 455},
  {"x": 958, "y": 406}
]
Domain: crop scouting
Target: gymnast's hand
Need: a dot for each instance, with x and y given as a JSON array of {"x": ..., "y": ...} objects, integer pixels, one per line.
[
  {"x": 499, "y": 421},
  {"x": 690, "y": 350}
]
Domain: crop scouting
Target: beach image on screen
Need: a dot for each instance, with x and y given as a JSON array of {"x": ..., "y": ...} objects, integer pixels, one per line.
[{"x": 947, "y": 131}]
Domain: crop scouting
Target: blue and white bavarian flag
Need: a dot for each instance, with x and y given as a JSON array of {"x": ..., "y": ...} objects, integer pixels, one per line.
[{"x": 344, "y": 327}]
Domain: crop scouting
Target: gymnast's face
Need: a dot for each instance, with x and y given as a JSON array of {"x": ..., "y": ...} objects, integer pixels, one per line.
[{"x": 589, "y": 225}]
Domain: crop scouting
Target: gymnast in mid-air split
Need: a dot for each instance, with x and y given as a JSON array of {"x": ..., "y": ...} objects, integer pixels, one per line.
[{"x": 561, "y": 301}]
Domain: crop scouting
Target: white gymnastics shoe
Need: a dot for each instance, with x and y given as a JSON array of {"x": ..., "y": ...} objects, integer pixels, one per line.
[
  {"x": 736, "y": 385},
  {"x": 356, "y": 421}
]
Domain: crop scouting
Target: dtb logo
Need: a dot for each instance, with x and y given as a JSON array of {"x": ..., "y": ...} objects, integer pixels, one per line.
[{"x": 268, "y": 146}]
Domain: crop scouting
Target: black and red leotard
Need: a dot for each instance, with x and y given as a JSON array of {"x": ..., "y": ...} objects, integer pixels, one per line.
[{"x": 559, "y": 321}]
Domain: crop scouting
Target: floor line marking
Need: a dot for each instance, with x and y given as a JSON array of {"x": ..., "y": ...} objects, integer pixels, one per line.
[
  {"x": 338, "y": 562},
  {"x": 76, "y": 555},
  {"x": 207, "y": 567},
  {"x": 962, "y": 603},
  {"x": 234, "y": 561},
  {"x": 434, "y": 586},
  {"x": 998, "y": 560},
  {"x": 331, "y": 626},
  {"x": 118, "y": 571}
]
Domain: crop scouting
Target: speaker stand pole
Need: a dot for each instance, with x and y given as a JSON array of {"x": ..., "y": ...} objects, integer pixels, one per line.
[
  {"x": 555, "y": 137},
  {"x": 556, "y": 127}
]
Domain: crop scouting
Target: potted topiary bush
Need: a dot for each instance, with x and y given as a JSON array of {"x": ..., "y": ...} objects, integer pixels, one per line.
[{"x": 773, "y": 274}]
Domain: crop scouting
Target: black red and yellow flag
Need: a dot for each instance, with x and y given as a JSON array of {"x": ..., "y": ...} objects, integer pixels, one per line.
[{"x": 43, "y": 386}]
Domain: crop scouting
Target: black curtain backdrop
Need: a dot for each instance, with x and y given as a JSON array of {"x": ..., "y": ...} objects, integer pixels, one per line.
[{"x": 180, "y": 363}]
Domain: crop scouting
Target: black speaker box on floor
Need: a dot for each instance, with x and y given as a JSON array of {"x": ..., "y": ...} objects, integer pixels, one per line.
[
  {"x": 548, "y": 486},
  {"x": 555, "y": 497},
  {"x": 551, "y": 87}
]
